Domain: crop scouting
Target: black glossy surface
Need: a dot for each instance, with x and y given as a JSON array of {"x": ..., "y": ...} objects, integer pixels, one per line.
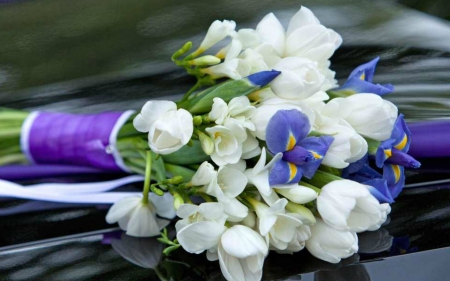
[{"x": 81, "y": 56}]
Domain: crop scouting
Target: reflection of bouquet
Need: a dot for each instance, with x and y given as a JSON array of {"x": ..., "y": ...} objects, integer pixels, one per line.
[{"x": 280, "y": 155}]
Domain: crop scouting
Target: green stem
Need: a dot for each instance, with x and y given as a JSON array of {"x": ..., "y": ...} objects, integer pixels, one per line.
[
  {"x": 316, "y": 189},
  {"x": 148, "y": 175},
  {"x": 322, "y": 178},
  {"x": 193, "y": 89}
]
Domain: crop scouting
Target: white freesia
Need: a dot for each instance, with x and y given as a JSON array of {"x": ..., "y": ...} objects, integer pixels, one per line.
[
  {"x": 259, "y": 175},
  {"x": 190, "y": 213},
  {"x": 329, "y": 244},
  {"x": 138, "y": 218},
  {"x": 238, "y": 109},
  {"x": 228, "y": 141},
  {"x": 217, "y": 31},
  {"x": 168, "y": 129},
  {"x": 305, "y": 36},
  {"x": 348, "y": 205},
  {"x": 241, "y": 254},
  {"x": 274, "y": 222},
  {"x": 369, "y": 114},
  {"x": 243, "y": 39},
  {"x": 268, "y": 108},
  {"x": 229, "y": 184},
  {"x": 296, "y": 193},
  {"x": 204, "y": 174},
  {"x": 347, "y": 147},
  {"x": 234, "y": 69},
  {"x": 299, "y": 79},
  {"x": 255, "y": 60}
]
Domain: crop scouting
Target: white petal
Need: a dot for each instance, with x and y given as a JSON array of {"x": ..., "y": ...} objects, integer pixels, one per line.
[
  {"x": 163, "y": 204},
  {"x": 143, "y": 223},
  {"x": 122, "y": 208},
  {"x": 271, "y": 31},
  {"x": 242, "y": 242},
  {"x": 151, "y": 111},
  {"x": 200, "y": 236},
  {"x": 303, "y": 17}
]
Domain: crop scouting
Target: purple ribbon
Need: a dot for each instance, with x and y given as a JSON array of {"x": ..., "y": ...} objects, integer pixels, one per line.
[
  {"x": 430, "y": 139},
  {"x": 70, "y": 139}
]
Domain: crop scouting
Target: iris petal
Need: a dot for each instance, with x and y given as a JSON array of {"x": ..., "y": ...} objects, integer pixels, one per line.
[
  {"x": 285, "y": 129},
  {"x": 284, "y": 172},
  {"x": 367, "y": 70},
  {"x": 318, "y": 146},
  {"x": 395, "y": 177},
  {"x": 401, "y": 134},
  {"x": 361, "y": 86}
]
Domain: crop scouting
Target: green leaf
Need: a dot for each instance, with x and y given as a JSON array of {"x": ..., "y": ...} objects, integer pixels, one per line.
[
  {"x": 226, "y": 91},
  {"x": 187, "y": 155}
]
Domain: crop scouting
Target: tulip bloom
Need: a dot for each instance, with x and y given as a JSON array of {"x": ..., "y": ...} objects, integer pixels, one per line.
[{"x": 286, "y": 133}]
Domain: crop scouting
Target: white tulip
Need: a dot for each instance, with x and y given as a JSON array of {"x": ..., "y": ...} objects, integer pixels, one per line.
[
  {"x": 228, "y": 142},
  {"x": 299, "y": 79},
  {"x": 348, "y": 206},
  {"x": 168, "y": 129},
  {"x": 217, "y": 31},
  {"x": 234, "y": 69},
  {"x": 204, "y": 175},
  {"x": 259, "y": 175},
  {"x": 296, "y": 193},
  {"x": 348, "y": 146},
  {"x": 302, "y": 233},
  {"x": 268, "y": 108},
  {"x": 241, "y": 254},
  {"x": 139, "y": 219},
  {"x": 369, "y": 114},
  {"x": 329, "y": 244}
]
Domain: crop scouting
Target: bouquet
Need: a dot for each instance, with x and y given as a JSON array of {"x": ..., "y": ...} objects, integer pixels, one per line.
[{"x": 265, "y": 152}]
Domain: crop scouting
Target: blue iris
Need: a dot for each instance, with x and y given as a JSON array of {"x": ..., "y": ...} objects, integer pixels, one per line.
[
  {"x": 393, "y": 158},
  {"x": 360, "y": 80},
  {"x": 287, "y": 133}
]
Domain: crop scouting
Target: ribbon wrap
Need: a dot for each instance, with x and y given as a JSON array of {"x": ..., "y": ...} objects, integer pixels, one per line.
[{"x": 74, "y": 139}]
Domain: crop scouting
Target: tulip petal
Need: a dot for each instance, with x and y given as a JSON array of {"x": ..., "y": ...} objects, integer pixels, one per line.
[
  {"x": 303, "y": 17},
  {"x": 285, "y": 129}
]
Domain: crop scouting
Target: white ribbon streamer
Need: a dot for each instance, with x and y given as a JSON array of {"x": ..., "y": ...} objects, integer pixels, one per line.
[{"x": 80, "y": 193}]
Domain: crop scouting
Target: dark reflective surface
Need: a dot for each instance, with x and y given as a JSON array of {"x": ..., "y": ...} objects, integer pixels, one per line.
[{"x": 84, "y": 56}]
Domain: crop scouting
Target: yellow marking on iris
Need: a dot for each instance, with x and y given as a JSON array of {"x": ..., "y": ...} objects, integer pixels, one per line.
[
  {"x": 402, "y": 144},
  {"x": 388, "y": 153},
  {"x": 292, "y": 171},
  {"x": 396, "y": 169},
  {"x": 292, "y": 142},
  {"x": 316, "y": 155},
  {"x": 363, "y": 76}
]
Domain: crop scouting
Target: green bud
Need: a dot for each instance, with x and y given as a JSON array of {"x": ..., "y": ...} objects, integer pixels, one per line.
[
  {"x": 372, "y": 146},
  {"x": 156, "y": 190},
  {"x": 305, "y": 214},
  {"x": 176, "y": 180},
  {"x": 177, "y": 201},
  {"x": 206, "y": 142},
  {"x": 205, "y": 61},
  {"x": 186, "y": 47},
  {"x": 197, "y": 120}
]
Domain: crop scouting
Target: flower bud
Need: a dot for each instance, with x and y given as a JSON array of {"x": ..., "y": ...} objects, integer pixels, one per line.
[{"x": 205, "y": 60}]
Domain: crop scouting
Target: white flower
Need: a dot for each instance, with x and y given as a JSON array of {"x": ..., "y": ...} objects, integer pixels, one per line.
[
  {"x": 243, "y": 39},
  {"x": 305, "y": 36},
  {"x": 274, "y": 222},
  {"x": 139, "y": 219},
  {"x": 296, "y": 193},
  {"x": 204, "y": 175},
  {"x": 228, "y": 142},
  {"x": 255, "y": 60},
  {"x": 238, "y": 109},
  {"x": 234, "y": 69},
  {"x": 369, "y": 114},
  {"x": 329, "y": 244},
  {"x": 217, "y": 31},
  {"x": 302, "y": 233},
  {"x": 190, "y": 213},
  {"x": 299, "y": 79},
  {"x": 229, "y": 184},
  {"x": 168, "y": 129},
  {"x": 347, "y": 147},
  {"x": 268, "y": 108},
  {"x": 259, "y": 175},
  {"x": 239, "y": 249},
  {"x": 348, "y": 205},
  {"x": 241, "y": 254}
]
